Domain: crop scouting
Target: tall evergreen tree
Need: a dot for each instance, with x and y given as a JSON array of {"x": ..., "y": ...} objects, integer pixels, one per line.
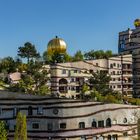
[
  {"x": 3, "y": 132},
  {"x": 21, "y": 127},
  {"x": 78, "y": 56},
  {"x": 7, "y": 65},
  {"x": 28, "y": 51},
  {"x": 100, "y": 82},
  {"x": 24, "y": 128}
]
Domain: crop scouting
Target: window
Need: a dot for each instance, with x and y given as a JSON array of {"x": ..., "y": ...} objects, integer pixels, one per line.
[
  {"x": 75, "y": 71},
  {"x": 83, "y": 138},
  {"x": 91, "y": 71},
  {"x": 125, "y": 120},
  {"x": 81, "y": 125},
  {"x": 62, "y": 125},
  {"x": 77, "y": 79},
  {"x": 113, "y": 72},
  {"x": 113, "y": 79},
  {"x": 125, "y": 134},
  {"x": 111, "y": 65},
  {"x": 69, "y": 72},
  {"x": 100, "y": 123},
  {"x": 55, "y": 111},
  {"x": 96, "y": 64},
  {"x": 72, "y": 88},
  {"x": 101, "y": 138},
  {"x": 30, "y": 110},
  {"x": 35, "y": 125},
  {"x": 63, "y": 71},
  {"x": 72, "y": 79},
  {"x": 94, "y": 124},
  {"x": 50, "y": 126},
  {"x": 115, "y": 137},
  {"x": 15, "y": 111},
  {"x": 0, "y": 111},
  {"x": 94, "y": 138},
  {"x": 40, "y": 110},
  {"x": 108, "y": 122},
  {"x": 109, "y": 137},
  {"x": 134, "y": 132},
  {"x": 114, "y": 64},
  {"x": 118, "y": 65},
  {"x": 118, "y": 86}
]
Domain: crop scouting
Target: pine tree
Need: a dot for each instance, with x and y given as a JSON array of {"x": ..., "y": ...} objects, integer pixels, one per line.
[
  {"x": 24, "y": 128},
  {"x": 3, "y": 132},
  {"x": 21, "y": 127}
]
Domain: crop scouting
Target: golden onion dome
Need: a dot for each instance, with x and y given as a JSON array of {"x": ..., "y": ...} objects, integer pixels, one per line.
[
  {"x": 57, "y": 45},
  {"x": 137, "y": 23}
]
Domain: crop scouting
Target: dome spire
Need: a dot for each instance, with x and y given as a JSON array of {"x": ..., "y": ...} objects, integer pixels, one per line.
[
  {"x": 137, "y": 23},
  {"x": 56, "y": 45}
]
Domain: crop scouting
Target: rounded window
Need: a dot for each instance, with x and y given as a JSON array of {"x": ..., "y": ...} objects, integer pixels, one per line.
[
  {"x": 125, "y": 120},
  {"x": 55, "y": 111}
]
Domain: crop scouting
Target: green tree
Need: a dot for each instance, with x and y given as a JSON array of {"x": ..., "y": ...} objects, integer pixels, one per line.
[
  {"x": 96, "y": 96},
  {"x": 85, "y": 88},
  {"x": 100, "y": 82},
  {"x": 28, "y": 51},
  {"x": 110, "y": 99},
  {"x": 89, "y": 55},
  {"x": 99, "y": 54},
  {"x": 35, "y": 79},
  {"x": 47, "y": 57},
  {"x": 24, "y": 128},
  {"x": 3, "y": 131},
  {"x": 21, "y": 127},
  {"x": 56, "y": 58},
  {"x": 108, "y": 54},
  {"x": 67, "y": 57},
  {"x": 7, "y": 65},
  {"x": 78, "y": 56}
]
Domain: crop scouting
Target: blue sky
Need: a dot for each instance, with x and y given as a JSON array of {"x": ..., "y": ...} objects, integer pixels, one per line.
[{"x": 83, "y": 24}]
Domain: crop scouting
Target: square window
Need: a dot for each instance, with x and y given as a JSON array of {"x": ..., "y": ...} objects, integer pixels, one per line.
[
  {"x": 50, "y": 126},
  {"x": 100, "y": 123},
  {"x": 75, "y": 71},
  {"x": 62, "y": 125},
  {"x": 72, "y": 88},
  {"x": 111, "y": 65},
  {"x": 63, "y": 71},
  {"x": 72, "y": 79},
  {"x": 81, "y": 125},
  {"x": 35, "y": 125},
  {"x": 0, "y": 111},
  {"x": 40, "y": 111},
  {"x": 125, "y": 134}
]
